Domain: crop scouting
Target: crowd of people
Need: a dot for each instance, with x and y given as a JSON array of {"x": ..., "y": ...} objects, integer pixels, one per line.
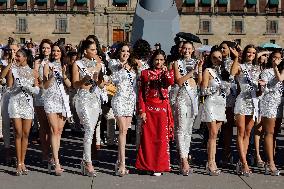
[{"x": 166, "y": 95}]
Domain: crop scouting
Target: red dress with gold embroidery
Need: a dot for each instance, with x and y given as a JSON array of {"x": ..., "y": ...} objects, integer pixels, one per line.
[{"x": 153, "y": 152}]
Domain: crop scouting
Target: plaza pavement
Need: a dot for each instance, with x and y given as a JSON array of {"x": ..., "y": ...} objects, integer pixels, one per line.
[{"x": 71, "y": 151}]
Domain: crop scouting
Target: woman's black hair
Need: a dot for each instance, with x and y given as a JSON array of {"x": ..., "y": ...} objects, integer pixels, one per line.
[
  {"x": 99, "y": 49},
  {"x": 208, "y": 63},
  {"x": 254, "y": 62},
  {"x": 62, "y": 50},
  {"x": 47, "y": 41},
  {"x": 85, "y": 44},
  {"x": 270, "y": 58},
  {"x": 141, "y": 49},
  {"x": 154, "y": 55},
  {"x": 29, "y": 55}
]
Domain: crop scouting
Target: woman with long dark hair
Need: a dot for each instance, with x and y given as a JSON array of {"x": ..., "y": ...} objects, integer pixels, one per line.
[
  {"x": 85, "y": 78},
  {"x": 154, "y": 108},
  {"x": 227, "y": 128},
  {"x": 215, "y": 89},
  {"x": 124, "y": 73},
  {"x": 56, "y": 101},
  {"x": 271, "y": 107},
  {"x": 44, "y": 129},
  {"x": 246, "y": 106},
  {"x": 186, "y": 106},
  {"x": 21, "y": 80}
]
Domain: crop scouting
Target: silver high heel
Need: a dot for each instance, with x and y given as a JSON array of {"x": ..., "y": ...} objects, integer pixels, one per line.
[
  {"x": 215, "y": 172},
  {"x": 240, "y": 170},
  {"x": 50, "y": 166},
  {"x": 119, "y": 172},
  {"x": 185, "y": 172},
  {"x": 19, "y": 172},
  {"x": 268, "y": 171},
  {"x": 85, "y": 171},
  {"x": 25, "y": 171}
]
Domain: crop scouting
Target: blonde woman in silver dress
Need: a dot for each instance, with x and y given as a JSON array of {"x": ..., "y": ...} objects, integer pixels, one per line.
[
  {"x": 85, "y": 74},
  {"x": 215, "y": 89},
  {"x": 22, "y": 84},
  {"x": 186, "y": 104},
  {"x": 124, "y": 101},
  {"x": 56, "y": 101},
  {"x": 246, "y": 106},
  {"x": 271, "y": 107}
]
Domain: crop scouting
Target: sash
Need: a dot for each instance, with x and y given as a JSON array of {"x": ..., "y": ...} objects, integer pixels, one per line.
[
  {"x": 218, "y": 81},
  {"x": 251, "y": 89},
  {"x": 194, "y": 98},
  {"x": 29, "y": 97},
  {"x": 94, "y": 87},
  {"x": 58, "y": 78}
]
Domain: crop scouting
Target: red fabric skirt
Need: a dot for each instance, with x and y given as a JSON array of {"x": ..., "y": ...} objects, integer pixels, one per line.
[{"x": 153, "y": 152}]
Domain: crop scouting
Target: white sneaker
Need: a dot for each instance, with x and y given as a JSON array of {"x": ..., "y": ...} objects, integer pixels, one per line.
[{"x": 157, "y": 174}]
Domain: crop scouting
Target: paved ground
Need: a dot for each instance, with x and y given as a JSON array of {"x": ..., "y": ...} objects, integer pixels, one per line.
[{"x": 71, "y": 152}]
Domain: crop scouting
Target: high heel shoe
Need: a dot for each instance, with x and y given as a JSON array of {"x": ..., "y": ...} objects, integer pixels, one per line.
[
  {"x": 85, "y": 171},
  {"x": 186, "y": 172},
  {"x": 215, "y": 172},
  {"x": 246, "y": 173},
  {"x": 58, "y": 172},
  {"x": 120, "y": 172},
  {"x": 239, "y": 168},
  {"x": 268, "y": 170},
  {"x": 19, "y": 172},
  {"x": 25, "y": 171},
  {"x": 50, "y": 166}
]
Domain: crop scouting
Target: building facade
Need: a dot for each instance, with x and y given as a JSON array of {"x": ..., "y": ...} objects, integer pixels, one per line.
[{"x": 246, "y": 21}]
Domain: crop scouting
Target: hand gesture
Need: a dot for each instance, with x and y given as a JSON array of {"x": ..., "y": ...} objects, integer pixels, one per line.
[
  {"x": 234, "y": 52},
  {"x": 143, "y": 117},
  {"x": 276, "y": 61},
  {"x": 261, "y": 82},
  {"x": 164, "y": 68}
]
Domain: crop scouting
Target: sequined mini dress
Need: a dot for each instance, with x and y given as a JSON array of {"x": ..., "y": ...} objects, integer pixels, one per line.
[
  {"x": 247, "y": 102},
  {"x": 215, "y": 103},
  {"x": 39, "y": 97},
  {"x": 270, "y": 103},
  {"x": 124, "y": 101},
  {"x": 18, "y": 105},
  {"x": 53, "y": 100}
]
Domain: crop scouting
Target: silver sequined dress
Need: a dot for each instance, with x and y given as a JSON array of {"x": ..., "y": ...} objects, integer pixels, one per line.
[
  {"x": 124, "y": 101},
  {"x": 270, "y": 103},
  {"x": 246, "y": 104},
  {"x": 18, "y": 106},
  {"x": 53, "y": 100},
  {"x": 88, "y": 108},
  {"x": 39, "y": 97},
  {"x": 231, "y": 97},
  {"x": 215, "y": 103}
]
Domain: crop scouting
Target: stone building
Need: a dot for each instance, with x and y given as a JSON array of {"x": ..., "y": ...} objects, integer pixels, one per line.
[{"x": 246, "y": 21}]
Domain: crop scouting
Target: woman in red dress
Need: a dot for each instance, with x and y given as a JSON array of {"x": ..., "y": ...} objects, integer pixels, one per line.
[{"x": 154, "y": 108}]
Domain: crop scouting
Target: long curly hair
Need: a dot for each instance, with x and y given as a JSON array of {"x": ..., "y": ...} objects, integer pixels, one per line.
[{"x": 131, "y": 60}]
